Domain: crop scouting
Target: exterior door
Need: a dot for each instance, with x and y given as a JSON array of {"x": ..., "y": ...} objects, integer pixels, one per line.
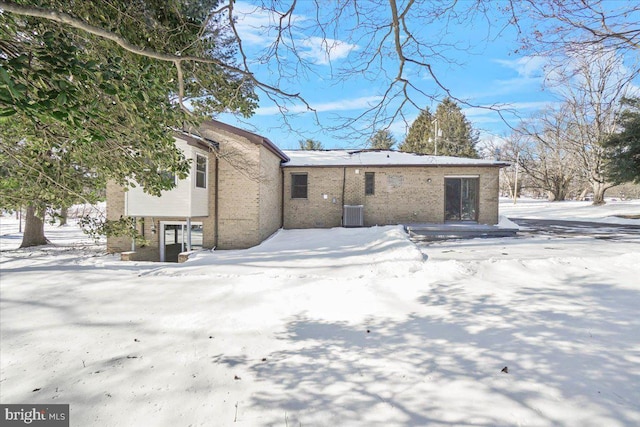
[
  {"x": 175, "y": 237},
  {"x": 461, "y": 199}
]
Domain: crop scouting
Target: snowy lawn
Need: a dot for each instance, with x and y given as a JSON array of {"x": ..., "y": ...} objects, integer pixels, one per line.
[{"x": 340, "y": 327}]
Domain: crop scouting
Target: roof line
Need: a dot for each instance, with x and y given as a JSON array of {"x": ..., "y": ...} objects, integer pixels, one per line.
[
  {"x": 194, "y": 139},
  {"x": 401, "y": 165},
  {"x": 252, "y": 137}
]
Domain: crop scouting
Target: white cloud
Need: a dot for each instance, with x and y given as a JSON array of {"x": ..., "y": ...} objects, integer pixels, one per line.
[
  {"x": 530, "y": 75},
  {"x": 322, "y": 51},
  {"x": 340, "y": 105},
  {"x": 258, "y": 26},
  {"x": 634, "y": 90},
  {"x": 527, "y": 66}
]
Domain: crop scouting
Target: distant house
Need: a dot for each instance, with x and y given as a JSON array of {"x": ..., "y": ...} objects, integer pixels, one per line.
[{"x": 242, "y": 188}]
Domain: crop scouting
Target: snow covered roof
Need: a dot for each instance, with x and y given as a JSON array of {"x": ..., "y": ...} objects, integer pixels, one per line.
[
  {"x": 194, "y": 139},
  {"x": 325, "y": 158}
]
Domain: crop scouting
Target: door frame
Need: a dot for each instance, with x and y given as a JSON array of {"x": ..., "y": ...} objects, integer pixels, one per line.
[
  {"x": 185, "y": 225},
  {"x": 477, "y": 207}
]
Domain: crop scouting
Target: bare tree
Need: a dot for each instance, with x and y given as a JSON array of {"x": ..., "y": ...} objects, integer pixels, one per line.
[
  {"x": 593, "y": 84},
  {"x": 563, "y": 25},
  {"x": 546, "y": 154},
  {"x": 502, "y": 149},
  {"x": 396, "y": 45}
]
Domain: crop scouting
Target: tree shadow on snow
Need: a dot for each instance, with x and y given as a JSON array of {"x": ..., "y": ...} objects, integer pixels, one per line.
[{"x": 445, "y": 367}]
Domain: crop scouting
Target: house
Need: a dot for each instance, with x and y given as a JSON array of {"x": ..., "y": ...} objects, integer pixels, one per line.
[
  {"x": 242, "y": 188},
  {"x": 231, "y": 199},
  {"x": 389, "y": 187}
]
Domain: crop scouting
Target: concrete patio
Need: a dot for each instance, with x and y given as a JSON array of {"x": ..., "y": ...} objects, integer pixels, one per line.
[{"x": 459, "y": 230}]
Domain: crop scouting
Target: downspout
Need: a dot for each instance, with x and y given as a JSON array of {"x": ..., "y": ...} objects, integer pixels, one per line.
[
  {"x": 133, "y": 237},
  {"x": 344, "y": 184},
  {"x": 215, "y": 208},
  {"x": 188, "y": 234},
  {"x": 281, "y": 197}
]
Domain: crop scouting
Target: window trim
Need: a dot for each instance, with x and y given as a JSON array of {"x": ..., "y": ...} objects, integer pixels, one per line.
[
  {"x": 372, "y": 176},
  {"x": 294, "y": 185},
  {"x": 199, "y": 172}
]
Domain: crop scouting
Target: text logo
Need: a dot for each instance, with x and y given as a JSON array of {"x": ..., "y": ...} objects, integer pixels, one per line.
[{"x": 34, "y": 415}]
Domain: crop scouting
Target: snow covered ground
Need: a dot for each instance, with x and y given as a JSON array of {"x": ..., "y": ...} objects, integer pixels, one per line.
[
  {"x": 612, "y": 212},
  {"x": 340, "y": 327}
]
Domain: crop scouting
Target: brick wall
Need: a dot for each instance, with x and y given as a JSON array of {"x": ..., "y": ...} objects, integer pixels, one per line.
[
  {"x": 402, "y": 195},
  {"x": 238, "y": 193},
  {"x": 249, "y": 199},
  {"x": 270, "y": 193},
  {"x": 209, "y": 223},
  {"x": 253, "y": 190},
  {"x": 323, "y": 205},
  {"x": 115, "y": 210}
]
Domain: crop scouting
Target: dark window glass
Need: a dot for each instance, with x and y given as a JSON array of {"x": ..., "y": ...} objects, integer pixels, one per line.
[
  {"x": 169, "y": 176},
  {"x": 201, "y": 171},
  {"x": 461, "y": 199},
  {"x": 299, "y": 186},
  {"x": 369, "y": 183}
]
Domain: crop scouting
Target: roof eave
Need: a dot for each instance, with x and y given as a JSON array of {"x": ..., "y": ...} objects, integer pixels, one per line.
[
  {"x": 251, "y": 137},
  {"x": 363, "y": 165}
]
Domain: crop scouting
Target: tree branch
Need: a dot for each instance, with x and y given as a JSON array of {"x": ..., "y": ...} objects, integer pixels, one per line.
[{"x": 177, "y": 60}]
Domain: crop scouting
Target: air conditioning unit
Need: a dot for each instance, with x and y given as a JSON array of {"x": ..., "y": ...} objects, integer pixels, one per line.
[{"x": 353, "y": 216}]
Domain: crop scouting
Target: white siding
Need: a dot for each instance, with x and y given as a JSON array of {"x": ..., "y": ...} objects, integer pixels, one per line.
[{"x": 184, "y": 200}]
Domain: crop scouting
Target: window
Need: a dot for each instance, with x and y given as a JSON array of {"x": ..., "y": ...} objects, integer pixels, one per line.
[
  {"x": 169, "y": 176},
  {"x": 298, "y": 185},
  {"x": 201, "y": 171},
  {"x": 369, "y": 183}
]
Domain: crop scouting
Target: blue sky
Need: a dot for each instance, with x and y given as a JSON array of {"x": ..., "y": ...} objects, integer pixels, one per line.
[{"x": 483, "y": 71}]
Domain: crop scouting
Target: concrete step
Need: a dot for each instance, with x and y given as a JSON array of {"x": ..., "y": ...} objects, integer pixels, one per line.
[{"x": 431, "y": 232}]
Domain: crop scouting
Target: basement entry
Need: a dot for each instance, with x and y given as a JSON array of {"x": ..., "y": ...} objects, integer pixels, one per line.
[{"x": 177, "y": 237}]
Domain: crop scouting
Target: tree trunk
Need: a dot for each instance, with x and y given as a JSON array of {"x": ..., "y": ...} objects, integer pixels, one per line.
[
  {"x": 559, "y": 190},
  {"x": 33, "y": 229},
  {"x": 598, "y": 193},
  {"x": 583, "y": 194},
  {"x": 64, "y": 212},
  {"x": 561, "y": 194}
]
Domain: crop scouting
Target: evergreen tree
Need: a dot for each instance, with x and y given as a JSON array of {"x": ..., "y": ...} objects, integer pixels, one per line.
[
  {"x": 624, "y": 164},
  {"x": 382, "y": 140},
  {"x": 420, "y": 136},
  {"x": 455, "y": 135},
  {"x": 76, "y": 109},
  {"x": 310, "y": 144},
  {"x": 458, "y": 139}
]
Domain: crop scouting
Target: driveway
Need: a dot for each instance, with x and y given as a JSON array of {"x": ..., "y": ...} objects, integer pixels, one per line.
[{"x": 566, "y": 228}]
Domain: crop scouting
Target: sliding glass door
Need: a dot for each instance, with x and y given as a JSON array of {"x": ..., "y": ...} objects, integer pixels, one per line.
[{"x": 461, "y": 199}]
